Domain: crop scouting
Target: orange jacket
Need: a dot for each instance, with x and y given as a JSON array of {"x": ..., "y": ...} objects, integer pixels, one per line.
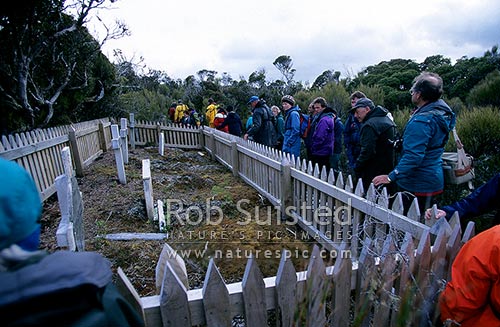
[{"x": 472, "y": 297}]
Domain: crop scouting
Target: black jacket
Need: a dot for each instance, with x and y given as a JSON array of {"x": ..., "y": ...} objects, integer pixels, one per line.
[
  {"x": 233, "y": 122},
  {"x": 63, "y": 289},
  {"x": 262, "y": 128},
  {"x": 377, "y": 153}
]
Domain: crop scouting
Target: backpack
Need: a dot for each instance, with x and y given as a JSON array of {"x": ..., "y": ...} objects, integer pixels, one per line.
[
  {"x": 63, "y": 289},
  {"x": 305, "y": 125},
  {"x": 274, "y": 132}
]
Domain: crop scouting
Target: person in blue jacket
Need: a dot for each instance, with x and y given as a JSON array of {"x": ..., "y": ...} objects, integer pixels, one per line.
[
  {"x": 419, "y": 171},
  {"x": 351, "y": 133},
  {"x": 484, "y": 199},
  {"x": 291, "y": 139}
]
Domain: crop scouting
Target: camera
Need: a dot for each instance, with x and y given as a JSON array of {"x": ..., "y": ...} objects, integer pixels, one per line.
[{"x": 397, "y": 144}]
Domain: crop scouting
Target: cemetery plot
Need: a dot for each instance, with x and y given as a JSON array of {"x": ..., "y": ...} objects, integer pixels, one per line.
[{"x": 208, "y": 213}]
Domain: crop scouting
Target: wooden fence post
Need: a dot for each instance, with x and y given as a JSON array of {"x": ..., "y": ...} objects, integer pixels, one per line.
[
  {"x": 132, "y": 131},
  {"x": 148, "y": 189},
  {"x": 73, "y": 144},
  {"x": 211, "y": 145},
  {"x": 158, "y": 130},
  {"x": 115, "y": 144},
  {"x": 201, "y": 137},
  {"x": 235, "y": 164},
  {"x": 102, "y": 138},
  {"x": 286, "y": 187},
  {"x": 124, "y": 141}
]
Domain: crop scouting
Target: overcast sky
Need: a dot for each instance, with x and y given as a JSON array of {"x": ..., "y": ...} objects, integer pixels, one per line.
[{"x": 240, "y": 37}]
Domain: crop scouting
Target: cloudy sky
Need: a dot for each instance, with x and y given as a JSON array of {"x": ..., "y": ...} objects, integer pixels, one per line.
[{"x": 240, "y": 37}]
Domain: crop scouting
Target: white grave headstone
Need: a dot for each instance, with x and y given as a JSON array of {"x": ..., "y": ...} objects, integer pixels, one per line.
[{"x": 148, "y": 189}]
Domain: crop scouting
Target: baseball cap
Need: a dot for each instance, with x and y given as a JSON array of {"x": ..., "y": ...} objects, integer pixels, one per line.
[
  {"x": 363, "y": 102},
  {"x": 253, "y": 98}
]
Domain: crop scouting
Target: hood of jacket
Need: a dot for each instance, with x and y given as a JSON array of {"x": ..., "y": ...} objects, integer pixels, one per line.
[
  {"x": 292, "y": 109},
  {"x": 445, "y": 117},
  {"x": 378, "y": 111}
]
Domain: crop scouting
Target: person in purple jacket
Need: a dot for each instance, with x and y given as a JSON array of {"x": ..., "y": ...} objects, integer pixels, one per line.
[{"x": 322, "y": 134}]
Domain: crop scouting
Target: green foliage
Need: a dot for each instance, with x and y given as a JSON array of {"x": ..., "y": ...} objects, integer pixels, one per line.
[
  {"x": 486, "y": 92},
  {"x": 326, "y": 77},
  {"x": 375, "y": 92},
  {"x": 456, "y": 104},
  {"x": 466, "y": 74},
  {"x": 220, "y": 192},
  {"x": 395, "y": 77},
  {"x": 401, "y": 117},
  {"x": 479, "y": 130},
  {"x": 335, "y": 94},
  {"x": 146, "y": 104}
]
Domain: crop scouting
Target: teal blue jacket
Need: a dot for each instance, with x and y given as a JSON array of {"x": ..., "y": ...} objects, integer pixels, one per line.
[{"x": 426, "y": 133}]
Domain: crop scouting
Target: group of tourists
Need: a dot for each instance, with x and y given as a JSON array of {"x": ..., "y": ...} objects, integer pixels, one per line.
[{"x": 376, "y": 152}]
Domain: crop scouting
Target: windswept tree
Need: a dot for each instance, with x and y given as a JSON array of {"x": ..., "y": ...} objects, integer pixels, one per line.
[
  {"x": 328, "y": 76},
  {"x": 285, "y": 65},
  {"x": 47, "y": 51}
]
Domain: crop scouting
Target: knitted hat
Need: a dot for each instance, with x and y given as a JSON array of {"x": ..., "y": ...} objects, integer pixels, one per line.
[
  {"x": 20, "y": 205},
  {"x": 288, "y": 99}
]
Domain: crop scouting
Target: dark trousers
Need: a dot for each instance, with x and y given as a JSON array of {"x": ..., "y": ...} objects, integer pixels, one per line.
[
  {"x": 321, "y": 161},
  {"x": 424, "y": 202}
]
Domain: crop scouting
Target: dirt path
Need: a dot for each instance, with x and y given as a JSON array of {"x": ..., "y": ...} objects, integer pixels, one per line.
[{"x": 192, "y": 187}]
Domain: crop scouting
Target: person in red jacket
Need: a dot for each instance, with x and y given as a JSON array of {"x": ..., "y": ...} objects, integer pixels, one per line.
[
  {"x": 219, "y": 120},
  {"x": 472, "y": 297}
]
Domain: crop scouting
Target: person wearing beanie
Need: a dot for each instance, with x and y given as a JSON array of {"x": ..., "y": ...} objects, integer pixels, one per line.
[
  {"x": 288, "y": 99},
  {"x": 39, "y": 289},
  {"x": 291, "y": 136}
]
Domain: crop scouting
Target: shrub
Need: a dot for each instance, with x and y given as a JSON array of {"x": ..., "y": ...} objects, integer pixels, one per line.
[
  {"x": 486, "y": 92},
  {"x": 400, "y": 119},
  {"x": 479, "y": 131}
]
